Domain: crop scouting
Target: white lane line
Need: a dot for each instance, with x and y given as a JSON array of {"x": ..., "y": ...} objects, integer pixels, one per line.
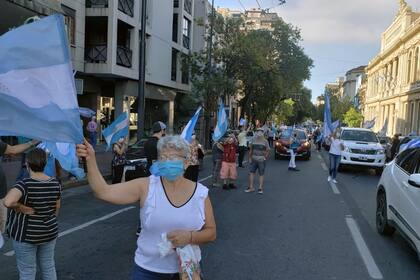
[
  {"x": 320, "y": 157},
  {"x": 203, "y": 179},
  {"x": 324, "y": 166},
  {"x": 82, "y": 226},
  {"x": 334, "y": 188},
  {"x": 364, "y": 252}
]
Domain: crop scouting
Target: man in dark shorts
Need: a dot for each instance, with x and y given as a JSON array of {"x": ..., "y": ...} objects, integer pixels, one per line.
[{"x": 258, "y": 154}]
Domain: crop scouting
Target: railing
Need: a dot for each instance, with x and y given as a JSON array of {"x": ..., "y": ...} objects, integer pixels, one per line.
[
  {"x": 186, "y": 41},
  {"x": 124, "y": 56},
  {"x": 96, "y": 3},
  {"x": 188, "y": 6},
  {"x": 126, "y": 6},
  {"x": 96, "y": 53}
]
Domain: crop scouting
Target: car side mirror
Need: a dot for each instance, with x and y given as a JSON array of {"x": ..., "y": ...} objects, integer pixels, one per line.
[{"x": 414, "y": 180}]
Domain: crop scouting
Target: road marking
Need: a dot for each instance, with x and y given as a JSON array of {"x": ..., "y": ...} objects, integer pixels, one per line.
[
  {"x": 320, "y": 157},
  {"x": 364, "y": 252},
  {"x": 324, "y": 166},
  {"x": 82, "y": 226},
  {"x": 203, "y": 179},
  {"x": 334, "y": 188}
]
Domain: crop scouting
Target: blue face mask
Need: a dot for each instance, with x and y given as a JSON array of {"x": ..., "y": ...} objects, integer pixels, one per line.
[{"x": 170, "y": 169}]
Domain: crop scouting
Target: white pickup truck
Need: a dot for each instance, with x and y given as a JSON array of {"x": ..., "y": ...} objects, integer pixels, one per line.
[{"x": 362, "y": 148}]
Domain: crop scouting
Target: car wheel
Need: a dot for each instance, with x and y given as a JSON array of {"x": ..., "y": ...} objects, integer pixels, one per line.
[
  {"x": 379, "y": 171},
  {"x": 382, "y": 225}
]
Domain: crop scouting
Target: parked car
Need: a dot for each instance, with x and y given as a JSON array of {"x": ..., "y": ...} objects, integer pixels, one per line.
[
  {"x": 398, "y": 198},
  {"x": 386, "y": 143},
  {"x": 362, "y": 148},
  {"x": 282, "y": 145},
  {"x": 136, "y": 161}
]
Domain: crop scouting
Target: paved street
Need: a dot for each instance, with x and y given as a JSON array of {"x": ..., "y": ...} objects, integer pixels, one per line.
[{"x": 301, "y": 228}]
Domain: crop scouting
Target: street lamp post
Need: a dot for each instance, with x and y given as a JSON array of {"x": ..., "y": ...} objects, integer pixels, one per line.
[{"x": 142, "y": 71}]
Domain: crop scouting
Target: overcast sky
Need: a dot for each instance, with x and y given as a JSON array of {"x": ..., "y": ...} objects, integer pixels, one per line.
[{"x": 338, "y": 34}]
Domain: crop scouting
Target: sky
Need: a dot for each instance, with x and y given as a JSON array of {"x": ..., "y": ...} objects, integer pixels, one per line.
[{"x": 337, "y": 34}]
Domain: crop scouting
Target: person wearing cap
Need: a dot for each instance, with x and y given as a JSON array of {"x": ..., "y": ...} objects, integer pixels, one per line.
[{"x": 150, "y": 147}]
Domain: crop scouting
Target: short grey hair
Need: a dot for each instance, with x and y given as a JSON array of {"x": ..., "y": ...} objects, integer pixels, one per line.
[{"x": 174, "y": 142}]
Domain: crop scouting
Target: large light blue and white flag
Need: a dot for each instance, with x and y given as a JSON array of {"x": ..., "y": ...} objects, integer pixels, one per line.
[
  {"x": 222, "y": 123},
  {"x": 65, "y": 153},
  {"x": 384, "y": 129},
  {"x": 369, "y": 124},
  {"x": 117, "y": 129},
  {"x": 189, "y": 128},
  {"x": 328, "y": 129},
  {"x": 37, "y": 91},
  {"x": 415, "y": 143}
]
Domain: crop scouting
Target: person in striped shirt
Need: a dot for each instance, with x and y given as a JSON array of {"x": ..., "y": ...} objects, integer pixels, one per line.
[{"x": 34, "y": 203}]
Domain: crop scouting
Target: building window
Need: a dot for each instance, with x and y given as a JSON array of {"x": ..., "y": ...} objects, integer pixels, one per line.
[
  {"x": 174, "y": 64},
  {"x": 176, "y": 3},
  {"x": 412, "y": 117},
  {"x": 70, "y": 23},
  {"x": 188, "y": 6},
  {"x": 185, "y": 78},
  {"x": 186, "y": 32},
  {"x": 175, "y": 28},
  {"x": 410, "y": 56},
  {"x": 126, "y": 6},
  {"x": 416, "y": 65}
]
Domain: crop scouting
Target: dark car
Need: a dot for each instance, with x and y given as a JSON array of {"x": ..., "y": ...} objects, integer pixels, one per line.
[
  {"x": 136, "y": 161},
  {"x": 386, "y": 143},
  {"x": 282, "y": 145}
]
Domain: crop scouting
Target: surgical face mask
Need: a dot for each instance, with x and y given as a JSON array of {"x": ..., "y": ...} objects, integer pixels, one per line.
[{"x": 169, "y": 169}]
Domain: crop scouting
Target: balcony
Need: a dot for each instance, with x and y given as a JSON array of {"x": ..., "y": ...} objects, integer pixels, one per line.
[
  {"x": 96, "y": 53},
  {"x": 96, "y": 3},
  {"x": 188, "y": 6},
  {"x": 124, "y": 56},
  {"x": 186, "y": 41},
  {"x": 126, "y": 6}
]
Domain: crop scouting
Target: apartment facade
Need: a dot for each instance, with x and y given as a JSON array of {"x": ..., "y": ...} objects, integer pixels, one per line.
[
  {"x": 254, "y": 19},
  {"x": 104, "y": 43},
  {"x": 393, "y": 76},
  {"x": 351, "y": 83}
]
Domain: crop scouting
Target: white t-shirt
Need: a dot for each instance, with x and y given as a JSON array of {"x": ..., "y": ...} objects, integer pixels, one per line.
[
  {"x": 242, "y": 138},
  {"x": 335, "y": 147}
]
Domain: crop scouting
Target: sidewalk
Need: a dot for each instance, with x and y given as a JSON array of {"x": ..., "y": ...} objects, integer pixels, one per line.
[{"x": 11, "y": 168}]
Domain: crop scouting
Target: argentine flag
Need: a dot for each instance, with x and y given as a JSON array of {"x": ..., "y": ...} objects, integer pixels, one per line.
[
  {"x": 413, "y": 144},
  {"x": 189, "y": 128},
  {"x": 369, "y": 124},
  {"x": 117, "y": 129},
  {"x": 222, "y": 123},
  {"x": 37, "y": 91},
  {"x": 328, "y": 127}
]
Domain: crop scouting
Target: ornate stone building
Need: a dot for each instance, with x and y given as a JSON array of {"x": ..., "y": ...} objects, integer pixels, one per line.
[{"x": 393, "y": 76}]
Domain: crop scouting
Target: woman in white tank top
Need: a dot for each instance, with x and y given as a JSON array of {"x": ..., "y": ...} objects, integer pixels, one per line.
[{"x": 169, "y": 204}]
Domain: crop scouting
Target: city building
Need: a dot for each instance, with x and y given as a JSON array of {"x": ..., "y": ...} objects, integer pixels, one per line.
[
  {"x": 393, "y": 76},
  {"x": 335, "y": 88},
  {"x": 351, "y": 84},
  {"x": 104, "y": 43},
  {"x": 254, "y": 19}
]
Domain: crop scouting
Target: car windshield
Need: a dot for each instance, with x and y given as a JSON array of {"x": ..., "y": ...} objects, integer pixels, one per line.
[
  {"x": 359, "y": 135},
  {"x": 288, "y": 133}
]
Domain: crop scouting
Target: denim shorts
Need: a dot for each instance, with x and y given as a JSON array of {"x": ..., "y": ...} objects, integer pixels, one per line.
[
  {"x": 140, "y": 273},
  {"x": 260, "y": 165}
]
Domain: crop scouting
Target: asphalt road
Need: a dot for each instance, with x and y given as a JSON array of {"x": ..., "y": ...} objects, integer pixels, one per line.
[{"x": 301, "y": 228}]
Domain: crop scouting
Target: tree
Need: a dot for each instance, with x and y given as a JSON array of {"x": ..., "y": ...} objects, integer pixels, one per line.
[{"x": 353, "y": 118}]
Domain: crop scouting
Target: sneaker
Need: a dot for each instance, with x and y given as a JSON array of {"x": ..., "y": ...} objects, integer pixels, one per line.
[
  {"x": 1, "y": 240},
  {"x": 295, "y": 169},
  {"x": 232, "y": 186},
  {"x": 225, "y": 187},
  {"x": 334, "y": 181},
  {"x": 248, "y": 190},
  {"x": 290, "y": 168},
  {"x": 138, "y": 232},
  {"x": 329, "y": 178},
  {"x": 260, "y": 191}
]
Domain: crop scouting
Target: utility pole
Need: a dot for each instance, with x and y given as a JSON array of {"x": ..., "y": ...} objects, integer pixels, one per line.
[
  {"x": 209, "y": 67},
  {"x": 142, "y": 71}
]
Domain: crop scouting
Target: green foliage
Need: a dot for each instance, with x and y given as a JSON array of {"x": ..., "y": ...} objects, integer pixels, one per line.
[
  {"x": 353, "y": 118},
  {"x": 339, "y": 106}
]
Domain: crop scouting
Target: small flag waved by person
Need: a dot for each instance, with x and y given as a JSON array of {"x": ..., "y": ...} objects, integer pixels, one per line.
[
  {"x": 118, "y": 129},
  {"x": 415, "y": 143},
  {"x": 37, "y": 90},
  {"x": 222, "y": 123},
  {"x": 328, "y": 129},
  {"x": 188, "y": 130}
]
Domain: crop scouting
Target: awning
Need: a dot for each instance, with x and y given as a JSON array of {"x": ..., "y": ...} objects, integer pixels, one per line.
[{"x": 157, "y": 93}]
